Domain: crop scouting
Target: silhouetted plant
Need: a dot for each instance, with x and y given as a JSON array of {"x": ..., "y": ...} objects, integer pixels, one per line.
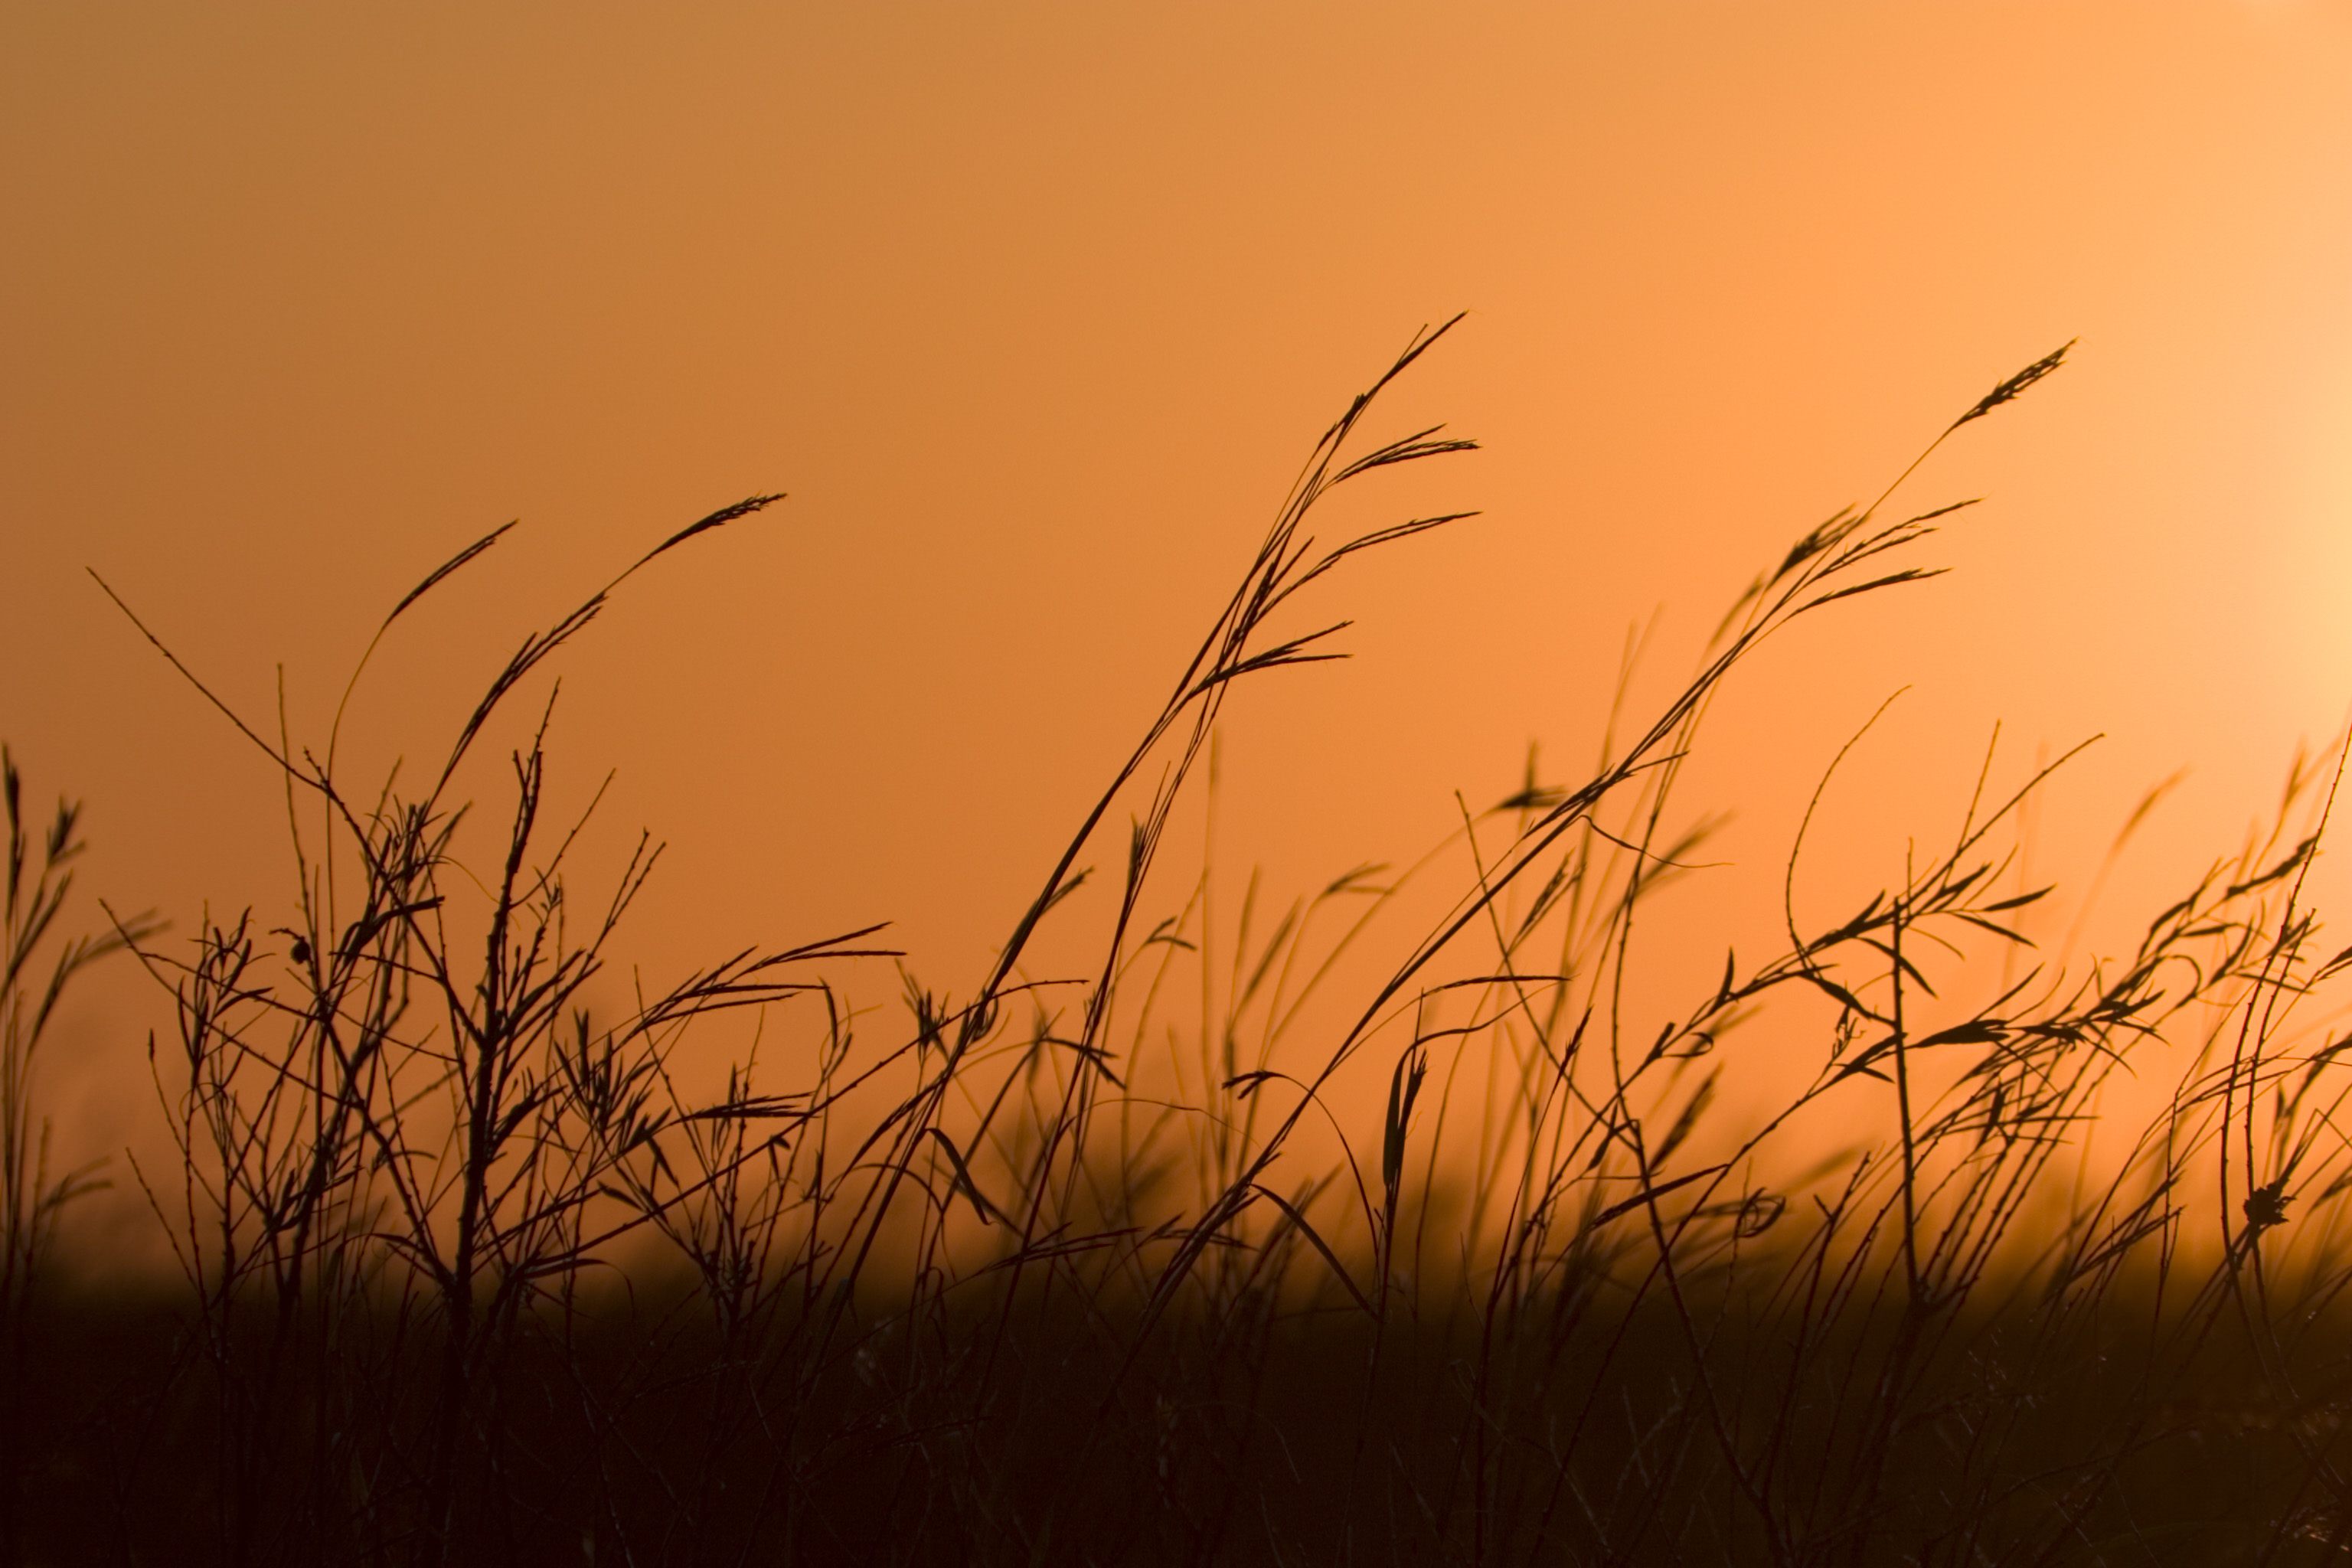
[
  {"x": 41, "y": 963},
  {"x": 1040, "y": 1276}
]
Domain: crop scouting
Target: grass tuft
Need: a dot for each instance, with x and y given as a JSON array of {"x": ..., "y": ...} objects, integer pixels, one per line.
[{"x": 476, "y": 1265}]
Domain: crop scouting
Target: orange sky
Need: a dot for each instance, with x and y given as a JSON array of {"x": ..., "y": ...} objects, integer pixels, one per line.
[{"x": 1033, "y": 310}]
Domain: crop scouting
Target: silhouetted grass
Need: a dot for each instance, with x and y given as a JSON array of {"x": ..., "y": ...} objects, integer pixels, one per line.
[{"x": 467, "y": 1274}]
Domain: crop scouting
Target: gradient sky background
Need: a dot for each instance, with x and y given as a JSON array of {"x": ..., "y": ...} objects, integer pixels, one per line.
[{"x": 1034, "y": 309}]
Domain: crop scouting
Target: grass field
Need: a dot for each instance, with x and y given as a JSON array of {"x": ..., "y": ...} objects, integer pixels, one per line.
[{"x": 474, "y": 1268}]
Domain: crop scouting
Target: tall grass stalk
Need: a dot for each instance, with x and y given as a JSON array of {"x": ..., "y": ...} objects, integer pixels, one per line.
[
  {"x": 40, "y": 965},
  {"x": 1042, "y": 1274}
]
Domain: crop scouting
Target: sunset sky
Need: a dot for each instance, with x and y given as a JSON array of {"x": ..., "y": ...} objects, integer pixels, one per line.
[{"x": 1033, "y": 310}]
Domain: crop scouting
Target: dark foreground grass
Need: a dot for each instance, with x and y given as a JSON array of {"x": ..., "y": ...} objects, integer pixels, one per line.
[
  {"x": 629, "y": 1435},
  {"x": 471, "y": 1271}
]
